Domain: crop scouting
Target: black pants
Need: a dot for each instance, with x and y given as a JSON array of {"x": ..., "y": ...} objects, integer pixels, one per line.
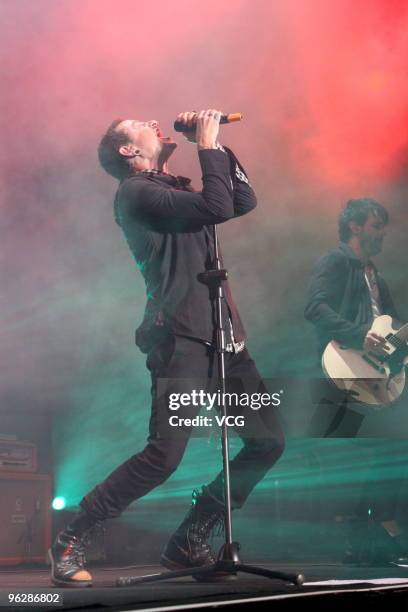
[
  {"x": 180, "y": 365},
  {"x": 334, "y": 417}
]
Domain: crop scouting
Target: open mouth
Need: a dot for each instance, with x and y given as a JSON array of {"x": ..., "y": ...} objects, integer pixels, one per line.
[{"x": 159, "y": 134}]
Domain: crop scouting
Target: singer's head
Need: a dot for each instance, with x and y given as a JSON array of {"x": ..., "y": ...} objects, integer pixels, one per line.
[{"x": 129, "y": 146}]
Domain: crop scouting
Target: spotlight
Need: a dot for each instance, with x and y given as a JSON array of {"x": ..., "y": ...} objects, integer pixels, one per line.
[{"x": 59, "y": 503}]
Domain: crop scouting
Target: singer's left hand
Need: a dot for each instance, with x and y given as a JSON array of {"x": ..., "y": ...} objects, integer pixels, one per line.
[{"x": 188, "y": 119}]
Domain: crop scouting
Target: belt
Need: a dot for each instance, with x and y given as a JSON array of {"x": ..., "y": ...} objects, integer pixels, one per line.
[
  {"x": 235, "y": 347},
  {"x": 232, "y": 347}
]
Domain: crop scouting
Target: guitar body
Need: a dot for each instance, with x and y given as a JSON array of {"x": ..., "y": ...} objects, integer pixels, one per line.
[{"x": 368, "y": 378}]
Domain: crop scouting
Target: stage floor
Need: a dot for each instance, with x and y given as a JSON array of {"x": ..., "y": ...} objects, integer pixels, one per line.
[{"x": 184, "y": 593}]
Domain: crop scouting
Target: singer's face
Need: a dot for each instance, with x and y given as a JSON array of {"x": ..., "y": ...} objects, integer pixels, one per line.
[{"x": 146, "y": 135}]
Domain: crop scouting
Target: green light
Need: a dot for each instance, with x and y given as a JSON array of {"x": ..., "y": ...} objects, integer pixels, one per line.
[{"x": 59, "y": 503}]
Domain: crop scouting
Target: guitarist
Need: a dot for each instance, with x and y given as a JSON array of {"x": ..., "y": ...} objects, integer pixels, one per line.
[{"x": 345, "y": 294}]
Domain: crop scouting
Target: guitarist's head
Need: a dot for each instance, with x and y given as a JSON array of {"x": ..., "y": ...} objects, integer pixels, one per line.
[{"x": 362, "y": 226}]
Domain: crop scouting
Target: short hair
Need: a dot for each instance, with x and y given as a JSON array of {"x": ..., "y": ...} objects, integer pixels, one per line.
[
  {"x": 358, "y": 211},
  {"x": 110, "y": 159}
]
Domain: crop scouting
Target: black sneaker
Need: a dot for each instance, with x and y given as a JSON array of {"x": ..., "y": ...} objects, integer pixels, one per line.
[
  {"x": 67, "y": 556},
  {"x": 371, "y": 546},
  {"x": 188, "y": 547}
]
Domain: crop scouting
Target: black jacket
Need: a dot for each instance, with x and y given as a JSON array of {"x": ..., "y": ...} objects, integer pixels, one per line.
[
  {"x": 338, "y": 301},
  {"x": 168, "y": 228}
]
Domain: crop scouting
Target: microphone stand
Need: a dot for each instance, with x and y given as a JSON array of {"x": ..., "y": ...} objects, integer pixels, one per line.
[{"x": 228, "y": 563}]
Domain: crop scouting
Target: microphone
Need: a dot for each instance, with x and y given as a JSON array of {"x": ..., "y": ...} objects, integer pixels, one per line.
[{"x": 179, "y": 126}]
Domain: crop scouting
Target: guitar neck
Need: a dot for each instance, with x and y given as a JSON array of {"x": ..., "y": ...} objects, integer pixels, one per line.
[{"x": 402, "y": 333}]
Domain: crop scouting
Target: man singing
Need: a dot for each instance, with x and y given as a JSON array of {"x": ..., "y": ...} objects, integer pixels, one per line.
[{"x": 168, "y": 228}]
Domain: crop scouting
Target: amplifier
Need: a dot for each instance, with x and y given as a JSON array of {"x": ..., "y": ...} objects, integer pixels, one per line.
[
  {"x": 17, "y": 456},
  {"x": 25, "y": 517}
]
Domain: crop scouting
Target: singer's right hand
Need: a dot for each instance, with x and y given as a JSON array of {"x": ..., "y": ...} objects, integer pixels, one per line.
[{"x": 207, "y": 127}]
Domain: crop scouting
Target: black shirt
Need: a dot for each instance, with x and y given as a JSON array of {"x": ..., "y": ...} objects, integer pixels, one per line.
[{"x": 168, "y": 227}]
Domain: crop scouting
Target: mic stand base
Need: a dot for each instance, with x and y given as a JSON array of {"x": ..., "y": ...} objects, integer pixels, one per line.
[{"x": 224, "y": 570}]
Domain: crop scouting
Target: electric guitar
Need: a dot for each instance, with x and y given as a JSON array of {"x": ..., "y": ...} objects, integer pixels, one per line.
[{"x": 370, "y": 377}]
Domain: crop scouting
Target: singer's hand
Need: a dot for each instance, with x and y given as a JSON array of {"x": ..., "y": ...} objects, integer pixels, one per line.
[
  {"x": 208, "y": 125},
  {"x": 188, "y": 119}
]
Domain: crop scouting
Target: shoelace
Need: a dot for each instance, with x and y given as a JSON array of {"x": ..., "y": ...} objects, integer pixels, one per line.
[
  {"x": 203, "y": 525},
  {"x": 219, "y": 526},
  {"x": 74, "y": 552}
]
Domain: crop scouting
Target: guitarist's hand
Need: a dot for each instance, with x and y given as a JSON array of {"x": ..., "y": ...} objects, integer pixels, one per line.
[{"x": 374, "y": 342}]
